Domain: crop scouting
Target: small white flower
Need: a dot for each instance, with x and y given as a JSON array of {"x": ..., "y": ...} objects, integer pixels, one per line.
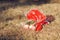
[
  {"x": 26, "y": 26},
  {"x": 32, "y": 27}
]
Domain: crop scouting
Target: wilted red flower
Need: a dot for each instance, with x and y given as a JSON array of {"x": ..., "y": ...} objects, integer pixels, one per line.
[{"x": 39, "y": 18}]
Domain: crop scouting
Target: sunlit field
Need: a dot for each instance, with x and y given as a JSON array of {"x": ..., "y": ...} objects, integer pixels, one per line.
[{"x": 10, "y": 28}]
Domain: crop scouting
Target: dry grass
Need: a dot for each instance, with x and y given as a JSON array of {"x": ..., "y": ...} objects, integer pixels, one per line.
[
  {"x": 10, "y": 23},
  {"x": 55, "y": 1}
]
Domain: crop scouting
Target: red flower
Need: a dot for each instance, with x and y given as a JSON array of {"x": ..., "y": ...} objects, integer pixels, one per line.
[{"x": 38, "y": 17}]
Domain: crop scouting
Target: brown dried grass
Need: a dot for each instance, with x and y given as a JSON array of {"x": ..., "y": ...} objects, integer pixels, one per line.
[{"x": 12, "y": 27}]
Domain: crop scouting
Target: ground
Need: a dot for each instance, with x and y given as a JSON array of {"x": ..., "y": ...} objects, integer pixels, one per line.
[{"x": 10, "y": 28}]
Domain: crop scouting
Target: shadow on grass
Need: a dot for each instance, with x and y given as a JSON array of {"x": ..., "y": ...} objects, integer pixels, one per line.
[
  {"x": 6, "y": 4},
  {"x": 11, "y": 37}
]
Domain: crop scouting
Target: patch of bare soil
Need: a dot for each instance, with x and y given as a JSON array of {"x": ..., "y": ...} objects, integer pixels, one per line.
[{"x": 10, "y": 28}]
